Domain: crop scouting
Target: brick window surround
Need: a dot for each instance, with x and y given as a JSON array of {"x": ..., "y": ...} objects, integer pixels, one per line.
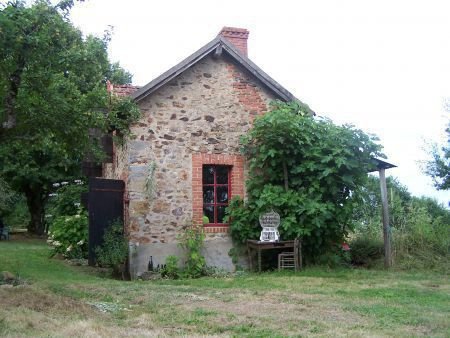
[{"x": 236, "y": 162}]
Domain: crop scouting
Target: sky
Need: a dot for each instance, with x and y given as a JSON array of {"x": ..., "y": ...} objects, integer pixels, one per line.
[{"x": 383, "y": 66}]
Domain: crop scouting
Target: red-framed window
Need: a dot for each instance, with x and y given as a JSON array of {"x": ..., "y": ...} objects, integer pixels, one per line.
[{"x": 216, "y": 183}]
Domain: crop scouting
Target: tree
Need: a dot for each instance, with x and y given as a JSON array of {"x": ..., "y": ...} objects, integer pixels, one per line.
[
  {"x": 307, "y": 169},
  {"x": 6, "y": 197},
  {"x": 438, "y": 167},
  {"x": 52, "y": 90}
]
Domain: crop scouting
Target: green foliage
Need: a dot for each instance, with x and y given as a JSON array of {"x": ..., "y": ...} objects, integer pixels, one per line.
[
  {"x": 419, "y": 227},
  {"x": 17, "y": 216},
  {"x": 68, "y": 235},
  {"x": 438, "y": 167},
  {"x": 192, "y": 241},
  {"x": 243, "y": 220},
  {"x": 114, "y": 250},
  {"x": 6, "y": 197},
  {"x": 52, "y": 89},
  {"x": 122, "y": 112},
  {"x": 171, "y": 269},
  {"x": 66, "y": 200},
  {"x": 306, "y": 169},
  {"x": 423, "y": 241},
  {"x": 118, "y": 75},
  {"x": 366, "y": 250}
]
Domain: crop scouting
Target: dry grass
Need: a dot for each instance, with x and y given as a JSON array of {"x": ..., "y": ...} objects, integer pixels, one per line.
[{"x": 60, "y": 300}]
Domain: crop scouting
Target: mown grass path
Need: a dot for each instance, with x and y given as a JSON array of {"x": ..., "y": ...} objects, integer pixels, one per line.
[{"x": 60, "y": 300}]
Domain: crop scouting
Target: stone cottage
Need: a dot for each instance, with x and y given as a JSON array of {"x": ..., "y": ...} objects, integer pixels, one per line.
[{"x": 182, "y": 163}]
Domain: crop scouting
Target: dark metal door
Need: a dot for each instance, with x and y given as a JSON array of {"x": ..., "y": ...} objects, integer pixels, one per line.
[{"x": 105, "y": 205}]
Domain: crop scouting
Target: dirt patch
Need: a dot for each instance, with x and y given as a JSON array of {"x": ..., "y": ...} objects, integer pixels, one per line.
[{"x": 40, "y": 301}]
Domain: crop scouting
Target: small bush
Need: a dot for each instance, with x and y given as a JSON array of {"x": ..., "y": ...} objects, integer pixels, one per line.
[
  {"x": 364, "y": 251},
  {"x": 170, "y": 269},
  {"x": 68, "y": 236},
  {"x": 114, "y": 250},
  {"x": 192, "y": 241},
  {"x": 67, "y": 199}
]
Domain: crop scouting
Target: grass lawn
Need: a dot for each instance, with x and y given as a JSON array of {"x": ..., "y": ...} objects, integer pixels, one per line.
[{"x": 61, "y": 300}]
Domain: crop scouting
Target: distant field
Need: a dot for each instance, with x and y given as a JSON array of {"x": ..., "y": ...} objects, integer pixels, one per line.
[{"x": 60, "y": 300}]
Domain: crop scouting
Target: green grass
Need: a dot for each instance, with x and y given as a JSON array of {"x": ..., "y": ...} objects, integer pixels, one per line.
[{"x": 59, "y": 300}]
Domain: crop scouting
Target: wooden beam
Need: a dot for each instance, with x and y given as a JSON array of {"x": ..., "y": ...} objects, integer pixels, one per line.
[
  {"x": 218, "y": 52},
  {"x": 386, "y": 227}
]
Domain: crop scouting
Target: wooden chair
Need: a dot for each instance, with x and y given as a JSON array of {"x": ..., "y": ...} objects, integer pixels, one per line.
[{"x": 290, "y": 259}]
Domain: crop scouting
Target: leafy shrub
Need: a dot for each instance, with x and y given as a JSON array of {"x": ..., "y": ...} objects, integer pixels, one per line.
[
  {"x": 243, "y": 220},
  {"x": 305, "y": 168},
  {"x": 6, "y": 196},
  {"x": 68, "y": 235},
  {"x": 365, "y": 250},
  {"x": 17, "y": 216},
  {"x": 114, "y": 250},
  {"x": 419, "y": 227},
  {"x": 170, "y": 269},
  {"x": 192, "y": 241},
  {"x": 423, "y": 242},
  {"x": 66, "y": 200}
]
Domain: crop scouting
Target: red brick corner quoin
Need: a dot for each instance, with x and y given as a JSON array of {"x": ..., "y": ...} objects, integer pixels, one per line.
[{"x": 237, "y": 183}]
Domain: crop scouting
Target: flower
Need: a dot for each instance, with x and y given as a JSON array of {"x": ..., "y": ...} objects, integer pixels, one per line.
[
  {"x": 56, "y": 185},
  {"x": 49, "y": 241},
  {"x": 69, "y": 248},
  {"x": 77, "y": 216},
  {"x": 76, "y": 204},
  {"x": 80, "y": 242},
  {"x": 345, "y": 247},
  {"x": 57, "y": 243},
  {"x": 64, "y": 183}
]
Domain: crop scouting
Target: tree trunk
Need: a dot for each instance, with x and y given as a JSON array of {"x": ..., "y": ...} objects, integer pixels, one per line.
[{"x": 36, "y": 208}]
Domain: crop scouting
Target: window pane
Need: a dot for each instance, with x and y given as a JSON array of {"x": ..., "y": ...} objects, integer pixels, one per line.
[
  {"x": 208, "y": 194},
  {"x": 208, "y": 174},
  {"x": 208, "y": 211},
  {"x": 220, "y": 213},
  {"x": 222, "y": 194},
  {"x": 222, "y": 175}
]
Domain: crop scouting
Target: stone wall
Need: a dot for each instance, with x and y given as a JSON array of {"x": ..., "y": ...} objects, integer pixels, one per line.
[{"x": 205, "y": 110}]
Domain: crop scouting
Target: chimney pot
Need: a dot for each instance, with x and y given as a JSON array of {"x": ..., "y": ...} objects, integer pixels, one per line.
[{"x": 237, "y": 36}]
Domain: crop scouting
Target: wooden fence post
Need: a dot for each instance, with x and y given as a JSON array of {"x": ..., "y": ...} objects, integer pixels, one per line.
[{"x": 386, "y": 227}]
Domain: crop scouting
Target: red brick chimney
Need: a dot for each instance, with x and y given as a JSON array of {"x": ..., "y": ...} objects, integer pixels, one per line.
[{"x": 237, "y": 36}]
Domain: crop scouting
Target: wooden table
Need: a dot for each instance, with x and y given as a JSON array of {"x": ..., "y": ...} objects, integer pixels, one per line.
[{"x": 253, "y": 245}]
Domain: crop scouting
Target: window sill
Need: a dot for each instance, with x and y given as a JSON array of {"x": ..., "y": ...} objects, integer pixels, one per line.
[{"x": 212, "y": 229}]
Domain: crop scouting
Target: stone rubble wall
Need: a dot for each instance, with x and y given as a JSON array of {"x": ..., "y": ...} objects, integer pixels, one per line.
[{"x": 206, "y": 109}]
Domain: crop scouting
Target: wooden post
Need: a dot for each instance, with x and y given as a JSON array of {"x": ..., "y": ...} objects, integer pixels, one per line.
[{"x": 386, "y": 227}]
